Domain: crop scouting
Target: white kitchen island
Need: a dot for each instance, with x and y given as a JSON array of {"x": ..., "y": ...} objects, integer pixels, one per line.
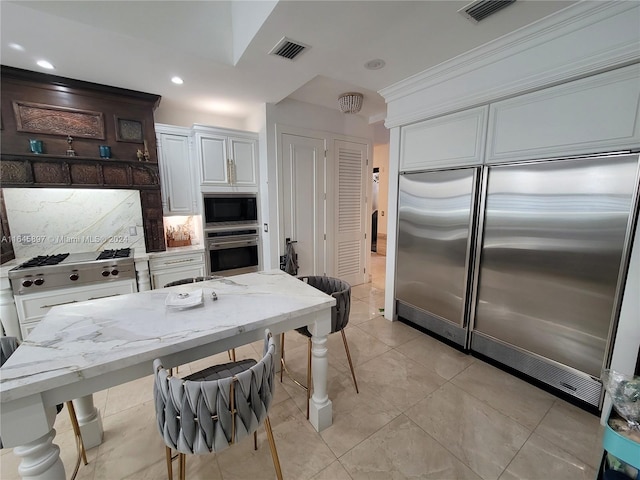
[{"x": 83, "y": 348}]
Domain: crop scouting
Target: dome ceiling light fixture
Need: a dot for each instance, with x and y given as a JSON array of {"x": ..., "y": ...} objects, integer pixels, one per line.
[{"x": 350, "y": 102}]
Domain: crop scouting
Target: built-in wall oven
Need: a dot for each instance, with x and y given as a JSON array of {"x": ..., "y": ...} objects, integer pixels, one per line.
[
  {"x": 222, "y": 210},
  {"x": 231, "y": 252}
]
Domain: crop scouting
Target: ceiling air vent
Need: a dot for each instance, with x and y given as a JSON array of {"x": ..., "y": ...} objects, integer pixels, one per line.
[
  {"x": 287, "y": 48},
  {"x": 481, "y": 9}
]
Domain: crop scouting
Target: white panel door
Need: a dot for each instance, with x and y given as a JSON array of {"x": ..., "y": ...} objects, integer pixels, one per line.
[
  {"x": 303, "y": 196},
  {"x": 351, "y": 211}
]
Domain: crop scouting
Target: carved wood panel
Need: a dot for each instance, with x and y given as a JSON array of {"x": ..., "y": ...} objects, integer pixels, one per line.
[
  {"x": 86, "y": 174},
  {"x": 50, "y": 174},
  {"x": 53, "y": 120}
]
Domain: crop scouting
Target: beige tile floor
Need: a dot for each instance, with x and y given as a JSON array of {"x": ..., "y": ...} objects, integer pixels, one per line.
[{"x": 424, "y": 411}]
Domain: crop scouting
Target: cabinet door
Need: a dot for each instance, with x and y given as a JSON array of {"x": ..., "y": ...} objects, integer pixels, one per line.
[
  {"x": 449, "y": 141},
  {"x": 212, "y": 151},
  {"x": 243, "y": 153},
  {"x": 595, "y": 114},
  {"x": 176, "y": 174}
]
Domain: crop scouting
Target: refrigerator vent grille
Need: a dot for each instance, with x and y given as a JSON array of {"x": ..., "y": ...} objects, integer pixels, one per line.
[
  {"x": 566, "y": 380},
  {"x": 481, "y": 9},
  {"x": 289, "y": 49}
]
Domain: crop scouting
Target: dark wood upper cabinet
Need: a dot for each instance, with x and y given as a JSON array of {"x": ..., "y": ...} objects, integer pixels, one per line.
[{"x": 37, "y": 106}]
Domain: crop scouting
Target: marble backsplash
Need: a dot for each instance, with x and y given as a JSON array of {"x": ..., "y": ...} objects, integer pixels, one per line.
[{"x": 45, "y": 221}]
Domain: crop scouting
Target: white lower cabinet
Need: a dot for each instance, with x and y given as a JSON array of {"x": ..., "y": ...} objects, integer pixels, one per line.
[
  {"x": 176, "y": 266},
  {"x": 33, "y": 307}
]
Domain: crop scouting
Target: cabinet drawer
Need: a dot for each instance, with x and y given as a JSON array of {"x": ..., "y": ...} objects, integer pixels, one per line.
[
  {"x": 33, "y": 307},
  {"x": 160, "y": 278},
  {"x": 175, "y": 261}
]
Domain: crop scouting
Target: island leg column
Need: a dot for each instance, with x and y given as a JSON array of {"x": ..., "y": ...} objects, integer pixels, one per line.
[
  {"x": 27, "y": 426},
  {"x": 320, "y": 407},
  {"x": 89, "y": 420}
]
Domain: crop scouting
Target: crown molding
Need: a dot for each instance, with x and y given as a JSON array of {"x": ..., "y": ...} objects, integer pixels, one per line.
[{"x": 525, "y": 44}]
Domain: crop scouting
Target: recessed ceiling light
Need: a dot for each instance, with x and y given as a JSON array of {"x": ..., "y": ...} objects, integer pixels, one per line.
[
  {"x": 376, "y": 64},
  {"x": 45, "y": 64},
  {"x": 16, "y": 46},
  {"x": 177, "y": 80}
]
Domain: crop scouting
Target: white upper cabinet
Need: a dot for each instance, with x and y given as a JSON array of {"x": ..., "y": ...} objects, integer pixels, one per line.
[
  {"x": 594, "y": 114},
  {"x": 227, "y": 157},
  {"x": 448, "y": 141},
  {"x": 176, "y": 172},
  {"x": 243, "y": 160}
]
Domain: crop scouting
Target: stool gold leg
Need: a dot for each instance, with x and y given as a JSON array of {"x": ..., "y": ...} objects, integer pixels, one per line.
[
  {"x": 183, "y": 466},
  {"x": 272, "y": 446},
  {"x": 346, "y": 347},
  {"x": 281, "y": 355},
  {"x": 308, "y": 376},
  {"x": 82, "y": 454},
  {"x": 169, "y": 465}
]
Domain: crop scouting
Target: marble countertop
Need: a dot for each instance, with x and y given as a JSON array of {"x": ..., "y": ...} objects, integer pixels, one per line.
[{"x": 88, "y": 339}]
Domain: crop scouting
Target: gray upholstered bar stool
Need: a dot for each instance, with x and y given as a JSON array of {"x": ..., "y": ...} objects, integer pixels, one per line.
[
  {"x": 341, "y": 291},
  {"x": 209, "y": 411},
  {"x": 8, "y": 345}
]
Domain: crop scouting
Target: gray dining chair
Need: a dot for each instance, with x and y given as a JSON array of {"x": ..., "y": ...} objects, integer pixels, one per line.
[
  {"x": 8, "y": 345},
  {"x": 211, "y": 410},
  {"x": 186, "y": 281},
  {"x": 341, "y": 291}
]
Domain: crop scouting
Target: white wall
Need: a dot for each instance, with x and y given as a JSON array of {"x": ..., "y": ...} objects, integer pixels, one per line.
[
  {"x": 381, "y": 160},
  {"x": 246, "y": 19},
  {"x": 298, "y": 115},
  {"x": 170, "y": 114}
]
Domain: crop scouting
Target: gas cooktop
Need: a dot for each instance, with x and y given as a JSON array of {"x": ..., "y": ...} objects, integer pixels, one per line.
[
  {"x": 67, "y": 258},
  {"x": 63, "y": 270}
]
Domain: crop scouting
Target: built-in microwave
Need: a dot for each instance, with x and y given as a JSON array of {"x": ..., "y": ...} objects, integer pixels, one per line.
[{"x": 229, "y": 209}]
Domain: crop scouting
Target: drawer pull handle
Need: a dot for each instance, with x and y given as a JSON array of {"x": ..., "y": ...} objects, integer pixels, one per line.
[
  {"x": 56, "y": 304},
  {"x": 179, "y": 261},
  {"x": 106, "y": 296}
]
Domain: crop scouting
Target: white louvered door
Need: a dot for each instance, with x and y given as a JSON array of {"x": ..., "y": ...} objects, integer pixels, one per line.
[{"x": 350, "y": 209}]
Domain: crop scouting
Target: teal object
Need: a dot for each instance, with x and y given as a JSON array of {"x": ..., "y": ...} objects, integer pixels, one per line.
[
  {"x": 621, "y": 447},
  {"x": 105, "y": 151},
  {"x": 36, "y": 146}
]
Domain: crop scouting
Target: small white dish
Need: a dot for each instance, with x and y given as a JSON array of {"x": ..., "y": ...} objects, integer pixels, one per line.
[{"x": 184, "y": 299}]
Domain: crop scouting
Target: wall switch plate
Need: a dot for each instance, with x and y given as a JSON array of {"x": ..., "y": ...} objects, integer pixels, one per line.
[
  {"x": 266, "y": 227},
  {"x": 133, "y": 231}
]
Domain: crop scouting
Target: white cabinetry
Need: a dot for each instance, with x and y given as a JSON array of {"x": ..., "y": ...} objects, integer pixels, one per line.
[
  {"x": 31, "y": 308},
  {"x": 595, "y": 114},
  {"x": 449, "y": 141},
  {"x": 175, "y": 266},
  {"x": 176, "y": 171},
  {"x": 226, "y": 157}
]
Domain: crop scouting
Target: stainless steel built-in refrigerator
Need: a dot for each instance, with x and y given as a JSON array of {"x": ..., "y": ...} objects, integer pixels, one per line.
[
  {"x": 543, "y": 280},
  {"x": 435, "y": 226}
]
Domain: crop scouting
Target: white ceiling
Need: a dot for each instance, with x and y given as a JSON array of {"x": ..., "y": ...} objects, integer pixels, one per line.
[{"x": 140, "y": 45}]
